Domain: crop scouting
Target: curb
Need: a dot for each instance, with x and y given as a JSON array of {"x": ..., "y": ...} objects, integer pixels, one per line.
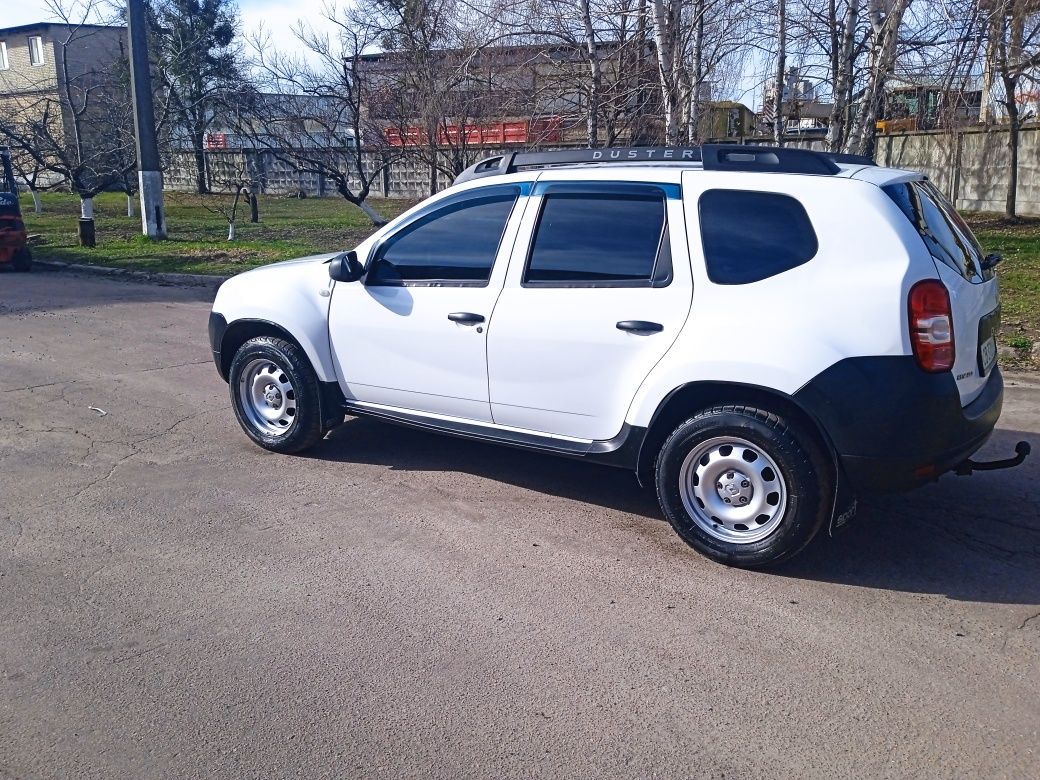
[{"x": 153, "y": 277}]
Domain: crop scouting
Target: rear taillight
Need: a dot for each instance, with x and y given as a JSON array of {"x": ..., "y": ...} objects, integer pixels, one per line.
[{"x": 931, "y": 326}]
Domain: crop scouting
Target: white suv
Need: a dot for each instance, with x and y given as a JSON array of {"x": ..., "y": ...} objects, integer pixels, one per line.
[{"x": 760, "y": 333}]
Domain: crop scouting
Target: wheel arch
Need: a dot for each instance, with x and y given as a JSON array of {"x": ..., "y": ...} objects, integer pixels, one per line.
[
  {"x": 330, "y": 397},
  {"x": 692, "y": 397},
  {"x": 239, "y": 332}
]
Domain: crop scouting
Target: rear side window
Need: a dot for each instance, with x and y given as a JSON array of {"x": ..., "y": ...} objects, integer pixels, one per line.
[
  {"x": 944, "y": 232},
  {"x": 750, "y": 236},
  {"x": 600, "y": 238},
  {"x": 456, "y": 244}
]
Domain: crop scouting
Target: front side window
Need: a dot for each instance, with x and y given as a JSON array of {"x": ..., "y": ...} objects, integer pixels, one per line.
[
  {"x": 35, "y": 50},
  {"x": 750, "y": 236},
  {"x": 600, "y": 238},
  {"x": 455, "y": 244}
]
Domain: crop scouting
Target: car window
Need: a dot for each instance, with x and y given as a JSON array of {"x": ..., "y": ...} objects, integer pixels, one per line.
[
  {"x": 600, "y": 238},
  {"x": 749, "y": 236},
  {"x": 943, "y": 230},
  {"x": 454, "y": 244}
]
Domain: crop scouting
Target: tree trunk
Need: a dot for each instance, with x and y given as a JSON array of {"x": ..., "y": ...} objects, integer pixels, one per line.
[
  {"x": 592, "y": 112},
  {"x": 87, "y": 236},
  {"x": 372, "y": 214},
  {"x": 842, "y": 65},
  {"x": 254, "y": 208},
  {"x": 37, "y": 204},
  {"x": 664, "y": 38},
  {"x": 231, "y": 231},
  {"x": 884, "y": 37},
  {"x": 199, "y": 148},
  {"x": 1014, "y": 122},
  {"x": 130, "y": 205},
  {"x": 694, "y": 131},
  {"x": 781, "y": 68}
]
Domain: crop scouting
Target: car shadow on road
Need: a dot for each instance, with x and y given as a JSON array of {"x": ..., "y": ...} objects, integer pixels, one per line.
[
  {"x": 970, "y": 538},
  {"x": 362, "y": 440}
]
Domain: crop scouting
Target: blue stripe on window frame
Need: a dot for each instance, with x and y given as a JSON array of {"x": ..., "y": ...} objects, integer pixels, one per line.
[{"x": 671, "y": 191}]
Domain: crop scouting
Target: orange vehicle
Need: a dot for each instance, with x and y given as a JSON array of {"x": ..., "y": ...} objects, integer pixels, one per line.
[{"x": 14, "y": 240}]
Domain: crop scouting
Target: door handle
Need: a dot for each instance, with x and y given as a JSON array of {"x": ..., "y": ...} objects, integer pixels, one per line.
[
  {"x": 640, "y": 326},
  {"x": 465, "y": 317}
]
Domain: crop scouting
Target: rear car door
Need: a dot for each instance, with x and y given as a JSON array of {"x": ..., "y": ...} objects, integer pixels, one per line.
[
  {"x": 599, "y": 286},
  {"x": 412, "y": 335}
]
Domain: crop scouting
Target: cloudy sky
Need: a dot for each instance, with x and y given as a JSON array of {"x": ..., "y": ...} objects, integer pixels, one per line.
[{"x": 277, "y": 17}]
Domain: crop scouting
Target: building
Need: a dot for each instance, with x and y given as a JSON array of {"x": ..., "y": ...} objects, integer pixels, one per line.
[
  {"x": 910, "y": 107},
  {"x": 802, "y": 110},
  {"x": 505, "y": 95},
  {"x": 722, "y": 119},
  {"x": 42, "y": 65}
]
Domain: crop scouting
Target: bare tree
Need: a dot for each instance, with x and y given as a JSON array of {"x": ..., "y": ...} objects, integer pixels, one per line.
[
  {"x": 82, "y": 129},
  {"x": 30, "y": 171},
  {"x": 886, "y": 18},
  {"x": 313, "y": 115}
]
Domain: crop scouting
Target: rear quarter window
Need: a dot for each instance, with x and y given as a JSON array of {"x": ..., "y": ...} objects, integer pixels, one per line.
[
  {"x": 944, "y": 232},
  {"x": 750, "y": 236}
]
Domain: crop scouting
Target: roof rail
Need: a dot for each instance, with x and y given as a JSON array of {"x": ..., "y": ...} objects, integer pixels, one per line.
[
  {"x": 514, "y": 161},
  {"x": 714, "y": 157}
]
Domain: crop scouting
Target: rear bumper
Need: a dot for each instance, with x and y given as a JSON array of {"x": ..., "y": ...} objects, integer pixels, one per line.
[{"x": 894, "y": 426}]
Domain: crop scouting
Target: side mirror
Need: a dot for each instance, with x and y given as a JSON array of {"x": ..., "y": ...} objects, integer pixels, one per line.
[{"x": 346, "y": 267}]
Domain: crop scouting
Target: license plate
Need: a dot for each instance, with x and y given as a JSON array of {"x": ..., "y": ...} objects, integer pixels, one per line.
[{"x": 988, "y": 354}]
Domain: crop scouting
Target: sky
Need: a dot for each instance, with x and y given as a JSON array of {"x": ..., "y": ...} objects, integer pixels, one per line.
[{"x": 276, "y": 17}]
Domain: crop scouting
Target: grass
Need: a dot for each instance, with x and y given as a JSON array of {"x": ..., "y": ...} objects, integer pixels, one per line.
[
  {"x": 289, "y": 227},
  {"x": 292, "y": 227},
  {"x": 1019, "y": 243}
]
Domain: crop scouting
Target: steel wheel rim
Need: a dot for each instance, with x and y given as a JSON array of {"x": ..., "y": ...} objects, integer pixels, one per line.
[
  {"x": 728, "y": 467},
  {"x": 267, "y": 397}
]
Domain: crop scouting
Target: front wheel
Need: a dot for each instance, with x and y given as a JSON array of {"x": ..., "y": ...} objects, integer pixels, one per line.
[
  {"x": 275, "y": 395},
  {"x": 742, "y": 486}
]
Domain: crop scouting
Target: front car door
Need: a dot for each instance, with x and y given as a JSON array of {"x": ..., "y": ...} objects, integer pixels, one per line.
[
  {"x": 599, "y": 287},
  {"x": 412, "y": 334}
]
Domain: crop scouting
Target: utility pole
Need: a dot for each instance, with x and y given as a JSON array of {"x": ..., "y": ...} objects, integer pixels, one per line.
[{"x": 149, "y": 175}]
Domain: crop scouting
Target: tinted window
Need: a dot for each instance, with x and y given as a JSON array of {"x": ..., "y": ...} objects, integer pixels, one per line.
[
  {"x": 456, "y": 244},
  {"x": 585, "y": 238},
  {"x": 944, "y": 232},
  {"x": 750, "y": 236}
]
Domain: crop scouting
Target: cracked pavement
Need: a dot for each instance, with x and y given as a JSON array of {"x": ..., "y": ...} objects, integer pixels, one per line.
[{"x": 175, "y": 602}]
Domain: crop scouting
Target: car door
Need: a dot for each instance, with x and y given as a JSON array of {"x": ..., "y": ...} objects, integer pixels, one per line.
[
  {"x": 598, "y": 289},
  {"x": 412, "y": 334}
]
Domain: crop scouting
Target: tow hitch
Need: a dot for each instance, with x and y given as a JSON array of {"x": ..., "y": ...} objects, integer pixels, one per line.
[{"x": 967, "y": 467}]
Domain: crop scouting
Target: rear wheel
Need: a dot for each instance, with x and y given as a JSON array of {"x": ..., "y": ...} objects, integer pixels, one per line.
[
  {"x": 276, "y": 395},
  {"x": 742, "y": 486},
  {"x": 22, "y": 260}
]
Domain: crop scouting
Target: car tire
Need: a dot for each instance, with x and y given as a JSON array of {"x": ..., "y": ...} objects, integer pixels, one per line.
[
  {"x": 22, "y": 260},
  {"x": 743, "y": 486},
  {"x": 275, "y": 394}
]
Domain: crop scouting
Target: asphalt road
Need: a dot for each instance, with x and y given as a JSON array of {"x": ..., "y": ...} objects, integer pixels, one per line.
[{"x": 175, "y": 602}]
